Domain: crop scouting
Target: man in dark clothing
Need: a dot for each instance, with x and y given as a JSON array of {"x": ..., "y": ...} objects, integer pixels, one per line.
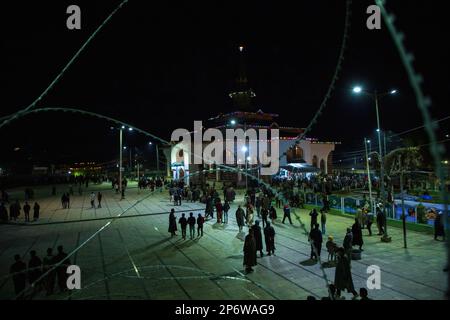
[
  {"x": 258, "y": 237},
  {"x": 240, "y": 218},
  {"x": 357, "y": 235},
  {"x": 315, "y": 238},
  {"x": 249, "y": 252},
  {"x": 200, "y": 221},
  {"x": 49, "y": 280},
  {"x": 18, "y": 270},
  {"x": 26, "y": 210},
  {"x": 348, "y": 243},
  {"x": 183, "y": 224},
  {"x": 264, "y": 214},
  {"x": 364, "y": 294},
  {"x": 269, "y": 237},
  {"x": 36, "y": 210},
  {"x": 343, "y": 275},
  {"x": 191, "y": 223},
  {"x": 99, "y": 198},
  {"x": 287, "y": 213},
  {"x": 34, "y": 268},
  {"x": 61, "y": 270},
  {"x": 380, "y": 221},
  {"x": 313, "y": 214},
  {"x": 439, "y": 227},
  {"x": 226, "y": 208}
]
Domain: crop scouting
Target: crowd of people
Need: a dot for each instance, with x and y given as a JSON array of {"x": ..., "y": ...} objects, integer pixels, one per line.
[
  {"x": 41, "y": 274},
  {"x": 15, "y": 210}
]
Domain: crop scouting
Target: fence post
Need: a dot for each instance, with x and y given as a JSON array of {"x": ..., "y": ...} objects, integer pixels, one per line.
[{"x": 342, "y": 205}]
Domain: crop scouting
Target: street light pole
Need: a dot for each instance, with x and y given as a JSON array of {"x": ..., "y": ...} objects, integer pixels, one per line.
[
  {"x": 368, "y": 175},
  {"x": 157, "y": 158},
  {"x": 120, "y": 161},
  {"x": 375, "y": 95},
  {"x": 383, "y": 199}
]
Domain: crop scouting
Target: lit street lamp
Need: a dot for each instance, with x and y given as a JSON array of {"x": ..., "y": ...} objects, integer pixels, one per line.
[
  {"x": 369, "y": 181},
  {"x": 376, "y": 96},
  {"x": 245, "y": 149},
  {"x": 121, "y": 148}
]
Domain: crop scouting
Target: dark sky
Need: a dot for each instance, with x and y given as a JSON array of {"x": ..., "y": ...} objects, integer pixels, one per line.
[{"x": 159, "y": 67}]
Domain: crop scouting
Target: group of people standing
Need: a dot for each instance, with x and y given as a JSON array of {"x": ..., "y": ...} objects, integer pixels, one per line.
[
  {"x": 15, "y": 209},
  {"x": 253, "y": 244},
  {"x": 40, "y": 273},
  {"x": 184, "y": 222}
]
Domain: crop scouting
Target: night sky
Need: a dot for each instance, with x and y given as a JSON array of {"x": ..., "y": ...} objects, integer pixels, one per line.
[{"x": 159, "y": 67}]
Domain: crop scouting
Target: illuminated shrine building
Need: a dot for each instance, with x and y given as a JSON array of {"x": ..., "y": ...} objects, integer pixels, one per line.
[{"x": 305, "y": 156}]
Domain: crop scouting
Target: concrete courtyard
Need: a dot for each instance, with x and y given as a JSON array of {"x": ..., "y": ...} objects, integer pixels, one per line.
[{"x": 135, "y": 257}]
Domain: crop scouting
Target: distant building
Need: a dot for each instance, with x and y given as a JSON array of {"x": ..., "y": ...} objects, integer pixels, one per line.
[{"x": 306, "y": 156}]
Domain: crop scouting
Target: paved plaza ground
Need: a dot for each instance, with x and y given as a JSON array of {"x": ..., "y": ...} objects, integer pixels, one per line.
[{"x": 135, "y": 257}]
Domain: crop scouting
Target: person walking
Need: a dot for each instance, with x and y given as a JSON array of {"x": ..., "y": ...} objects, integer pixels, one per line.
[
  {"x": 200, "y": 222},
  {"x": 313, "y": 214},
  {"x": 323, "y": 221},
  {"x": 93, "y": 200},
  {"x": 240, "y": 218},
  {"x": 63, "y": 201},
  {"x": 258, "y": 237},
  {"x": 36, "y": 211},
  {"x": 219, "y": 210},
  {"x": 272, "y": 214},
  {"x": 183, "y": 224},
  {"x": 26, "y": 211},
  {"x": 258, "y": 206},
  {"x": 99, "y": 199},
  {"x": 315, "y": 239},
  {"x": 50, "y": 276},
  {"x": 269, "y": 237},
  {"x": 172, "y": 223},
  {"x": 343, "y": 276},
  {"x": 357, "y": 235},
  {"x": 287, "y": 213},
  {"x": 191, "y": 223},
  {"x": 249, "y": 252},
  {"x": 226, "y": 208},
  {"x": 380, "y": 221},
  {"x": 348, "y": 242},
  {"x": 19, "y": 276},
  {"x": 264, "y": 214}
]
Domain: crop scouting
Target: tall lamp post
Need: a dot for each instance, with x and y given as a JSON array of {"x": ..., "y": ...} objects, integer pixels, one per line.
[
  {"x": 376, "y": 96},
  {"x": 121, "y": 148},
  {"x": 245, "y": 149},
  {"x": 157, "y": 155},
  {"x": 366, "y": 142}
]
